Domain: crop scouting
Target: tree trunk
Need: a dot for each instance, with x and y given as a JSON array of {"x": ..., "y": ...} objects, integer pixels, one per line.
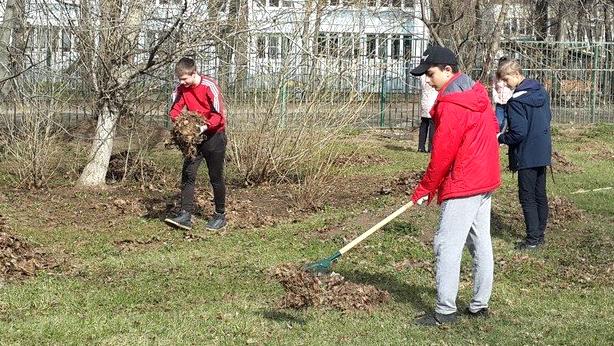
[
  {"x": 541, "y": 19},
  {"x": 95, "y": 171},
  {"x": 13, "y": 26},
  {"x": 495, "y": 41}
]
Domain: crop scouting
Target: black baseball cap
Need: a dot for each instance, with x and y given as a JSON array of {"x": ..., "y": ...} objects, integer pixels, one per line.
[{"x": 434, "y": 55}]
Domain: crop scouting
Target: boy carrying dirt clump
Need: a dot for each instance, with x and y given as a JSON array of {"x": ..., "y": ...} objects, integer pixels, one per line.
[
  {"x": 201, "y": 94},
  {"x": 463, "y": 172}
]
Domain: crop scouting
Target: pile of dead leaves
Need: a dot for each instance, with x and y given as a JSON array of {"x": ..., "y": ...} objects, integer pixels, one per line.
[
  {"x": 405, "y": 183},
  {"x": 186, "y": 133},
  {"x": 562, "y": 211},
  {"x": 304, "y": 290},
  {"x": 18, "y": 258}
]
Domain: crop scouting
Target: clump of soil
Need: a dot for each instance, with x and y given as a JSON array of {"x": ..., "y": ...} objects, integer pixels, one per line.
[
  {"x": 18, "y": 259},
  {"x": 134, "y": 168},
  {"x": 305, "y": 290},
  {"x": 186, "y": 133},
  {"x": 561, "y": 165}
]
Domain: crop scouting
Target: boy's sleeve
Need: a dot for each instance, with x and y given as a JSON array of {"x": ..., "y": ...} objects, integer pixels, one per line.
[
  {"x": 178, "y": 104},
  {"x": 517, "y": 125},
  {"x": 214, "y": 97},
  {"x": 446, "y": 141}
]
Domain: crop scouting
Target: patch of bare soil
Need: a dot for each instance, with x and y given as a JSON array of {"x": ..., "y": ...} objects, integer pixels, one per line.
[
  {"x": 360, "y": 160},
  {"x": 186, "y": 133},
  {"x": 561, "y": 165},
  {"x": 18, "y": 259},
  {"x": 305, "y": 290}
]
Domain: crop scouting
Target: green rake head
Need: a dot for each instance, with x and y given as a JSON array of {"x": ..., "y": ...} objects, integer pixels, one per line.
[{"x": 323, "y": 266}]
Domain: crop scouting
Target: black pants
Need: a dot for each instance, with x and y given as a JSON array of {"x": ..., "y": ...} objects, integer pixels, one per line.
[
  {"x": 534, "y": 202},
  {"x": 426, "y": 126},
  {"x": 213, "y": 150}
]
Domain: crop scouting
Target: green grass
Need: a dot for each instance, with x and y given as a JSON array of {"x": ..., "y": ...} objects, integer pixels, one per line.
[{"x": 217, "y": 290}]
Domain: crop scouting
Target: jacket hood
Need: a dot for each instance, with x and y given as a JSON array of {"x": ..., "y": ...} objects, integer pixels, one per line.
[
  {"x": 530, "y": 92},
  {"x": 466, "y": 93}
]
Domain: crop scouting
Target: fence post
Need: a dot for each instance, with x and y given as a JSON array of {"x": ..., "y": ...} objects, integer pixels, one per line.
[
  {"x": 594, "y": 82},
  {"x": 382, "y": 99}
]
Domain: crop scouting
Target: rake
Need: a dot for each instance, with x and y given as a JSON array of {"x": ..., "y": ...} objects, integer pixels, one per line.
[{"x": 325, "y": 265}]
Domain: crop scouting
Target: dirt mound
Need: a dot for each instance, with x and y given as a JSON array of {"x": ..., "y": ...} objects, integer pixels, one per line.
[
  {"x": 304, "y": 289},
  {"x": 135, "y": 168},
  {"x": 561, "y": 165},
  {"x": 186, "y": 133},
  {"x": 18, "y": 258}
]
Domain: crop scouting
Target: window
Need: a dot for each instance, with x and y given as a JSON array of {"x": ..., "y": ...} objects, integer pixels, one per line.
[
  {"x": 334, "y": 2},
  {"x": 397, "y": 3},
  {"x": 396, "y": 47},
  {"x": 372, "y": 3},
  {"x": 371, "y": 46},
  {"x": 261, "y": 46},
  {"x": 407, "y": 48},
  {"x": 322, "y": 45},
  {"x": 286, "y": 45},
  {"x": 274, "y": 3},
  {"x": 333, "y": 45},
  {"x": 66, "y": 40},
  {"x": 274, "y": 48},
  {"x": 349, "y": 46},
  {"x": 382, "y": 47}
]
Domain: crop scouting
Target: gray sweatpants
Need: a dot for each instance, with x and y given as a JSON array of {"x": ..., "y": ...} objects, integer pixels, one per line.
[{"x": 464, "y": 221}]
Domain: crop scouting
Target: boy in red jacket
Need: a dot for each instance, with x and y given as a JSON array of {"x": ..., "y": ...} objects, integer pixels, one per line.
[
  {"x": 201, "y": 94},
  {"x": 463, "y": 172}
]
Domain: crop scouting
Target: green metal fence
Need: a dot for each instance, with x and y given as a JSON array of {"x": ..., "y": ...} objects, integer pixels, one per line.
[{"x": 578, "y": 75}]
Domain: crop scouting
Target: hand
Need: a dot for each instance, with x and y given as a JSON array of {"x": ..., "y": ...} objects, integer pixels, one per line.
[
  {"x": 421, "y": 200},
  {"x": 201, "y": 128}
]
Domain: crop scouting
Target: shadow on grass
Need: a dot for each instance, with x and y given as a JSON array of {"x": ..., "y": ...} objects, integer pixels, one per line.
[
  {"x": 401, "y": 292},
  {"x": 502, "y": 228},
  {"x": 398, "y": 148},
  {"x": 282, "y": 317}
]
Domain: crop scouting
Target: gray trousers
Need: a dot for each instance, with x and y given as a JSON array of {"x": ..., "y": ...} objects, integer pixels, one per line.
[{"x": 464, "y": 221}]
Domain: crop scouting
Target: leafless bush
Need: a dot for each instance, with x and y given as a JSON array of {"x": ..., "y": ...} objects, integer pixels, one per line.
[
  {"x": 294, "y": 146},
  {"x": 33, "y": 148}
]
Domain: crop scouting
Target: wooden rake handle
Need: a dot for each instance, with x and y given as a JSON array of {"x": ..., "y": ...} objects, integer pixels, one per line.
[{"x": 376, "y": 227}]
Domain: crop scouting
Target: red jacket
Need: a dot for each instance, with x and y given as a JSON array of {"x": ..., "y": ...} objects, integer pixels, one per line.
[
  {"x": 205, "y": 98},
  {"x": 465, "y": 155}
]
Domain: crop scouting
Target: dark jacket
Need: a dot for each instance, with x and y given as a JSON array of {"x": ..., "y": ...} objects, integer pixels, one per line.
[
  {"x": 465, "y": 157},
  {"x": 528, "y": 135}
]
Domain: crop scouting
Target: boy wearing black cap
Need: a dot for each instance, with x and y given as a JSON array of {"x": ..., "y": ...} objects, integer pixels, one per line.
[{"x": 463, "y": 172}]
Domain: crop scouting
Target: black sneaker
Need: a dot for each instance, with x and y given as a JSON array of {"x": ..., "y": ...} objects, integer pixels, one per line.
[
  {"x": 436, "y": 319},
  {"x": 525, "y": 246},
  {"x": 482, "y": 313},
  {"x": 217, "y": 222},
  {"x": 182, "y": 220}
]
